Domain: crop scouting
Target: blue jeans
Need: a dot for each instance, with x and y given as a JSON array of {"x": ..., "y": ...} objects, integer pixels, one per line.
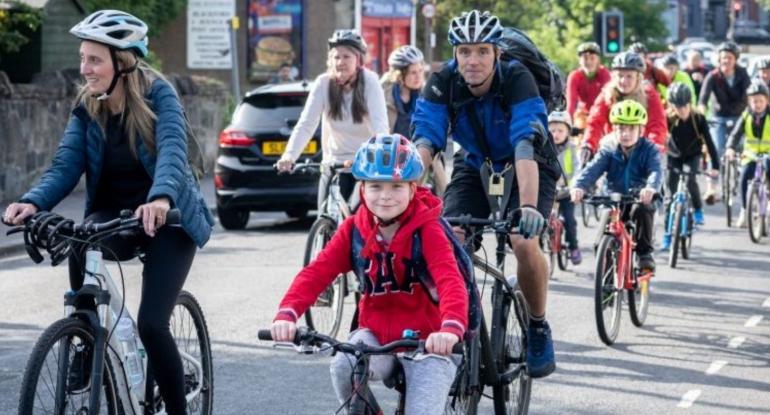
[
  {"x": 720, "y": 131},
  {"x": 747, "y": 175},
  {"x": 567, "y": 210}
]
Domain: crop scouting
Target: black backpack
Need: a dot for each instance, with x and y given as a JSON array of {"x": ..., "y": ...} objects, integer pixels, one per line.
[
  {"x": 419, "y": 267},
  {"x": 515, "y": 44}
]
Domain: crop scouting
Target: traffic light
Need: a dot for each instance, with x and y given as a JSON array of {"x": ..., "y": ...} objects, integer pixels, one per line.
[{"x": 608, "y": 32}]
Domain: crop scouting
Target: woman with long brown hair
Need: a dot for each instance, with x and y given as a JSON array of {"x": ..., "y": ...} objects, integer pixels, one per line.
[
  {"x": 127, "y": 134},
  {"x": 349, "y": 100}
]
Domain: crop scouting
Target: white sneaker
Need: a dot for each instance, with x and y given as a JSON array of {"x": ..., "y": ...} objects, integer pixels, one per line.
[{"x": 741, "y": 222}]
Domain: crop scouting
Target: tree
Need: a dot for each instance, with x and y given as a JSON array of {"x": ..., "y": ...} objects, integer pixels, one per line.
[
  {"x": 156, "y": 13},
  {"x": 16, "y": 23},
  {"x": 558, "y": 26}
]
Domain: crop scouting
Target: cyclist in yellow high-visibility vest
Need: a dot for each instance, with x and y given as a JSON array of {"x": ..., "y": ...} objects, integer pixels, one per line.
[
  {"x": 560, "y": 126},
  {"x": 751, "y": 137}
]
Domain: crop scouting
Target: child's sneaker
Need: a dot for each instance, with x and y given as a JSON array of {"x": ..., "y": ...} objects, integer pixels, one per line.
[
  {"x": 698, "y": 217},
  {"x": 575, "y": 256},
  {"x": 666, "y": 245}
]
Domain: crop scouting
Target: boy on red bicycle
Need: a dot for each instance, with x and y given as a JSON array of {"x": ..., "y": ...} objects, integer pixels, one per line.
[
  {"x": 629, "y": 163},
  {"x": 393, "y": 208}
]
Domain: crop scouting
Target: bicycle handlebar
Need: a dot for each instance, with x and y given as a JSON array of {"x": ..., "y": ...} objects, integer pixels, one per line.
[
  {"x": 468, "y": 220},
  {"x": 306, "y": 336},
  {"x": 317, "y": 167}
]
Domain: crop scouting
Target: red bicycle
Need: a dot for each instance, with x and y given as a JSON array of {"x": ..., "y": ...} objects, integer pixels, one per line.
[
  {"x": 554, "y": 241},
  {"x": 616, "y": 270}
]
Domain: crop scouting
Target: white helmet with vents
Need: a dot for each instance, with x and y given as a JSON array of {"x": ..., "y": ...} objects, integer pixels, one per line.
[
  {"x": 405, "y": 56},
  {"x": 474, "y": 27},
  {"x": 114, "y": 28}
]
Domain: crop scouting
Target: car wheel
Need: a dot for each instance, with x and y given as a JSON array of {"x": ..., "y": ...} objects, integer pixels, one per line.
[
  {"x": 232, "y": 218},
  {"x": 296, "y": 213}
]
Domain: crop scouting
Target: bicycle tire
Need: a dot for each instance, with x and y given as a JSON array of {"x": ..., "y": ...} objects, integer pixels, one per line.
[
  {"x": 597, "y": 213},
  {"x": 638, "y": 298},
  {"x": 67, "y": 328},
  {"x": 753, "y": 217},
  {"x": 325, "y": 315},
  {"x": 676, "y": 238},
  {"x": 607, "y": 292},
  {"x": 686, "y": 241},
  {"x": 514, "y": 397},
  {"x": 203, "y": 404},
  {"x": 563, "y": 255},
  {"x": 584, "y": 214},
  {"x": 727, "y": 196}
]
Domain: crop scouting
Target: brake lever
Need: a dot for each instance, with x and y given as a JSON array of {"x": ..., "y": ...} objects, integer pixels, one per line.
[{"x": 15, "y": 229}]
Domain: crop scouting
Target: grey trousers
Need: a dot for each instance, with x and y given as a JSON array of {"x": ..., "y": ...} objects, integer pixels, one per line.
[{"x": 428, "y": 376}]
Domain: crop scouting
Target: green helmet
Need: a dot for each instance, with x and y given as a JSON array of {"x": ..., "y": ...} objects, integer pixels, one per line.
[{"x": 628, "y": 112}]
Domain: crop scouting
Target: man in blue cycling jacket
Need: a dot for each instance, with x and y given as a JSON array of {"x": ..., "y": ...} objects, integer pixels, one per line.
[{"x": 494, "y": 111}]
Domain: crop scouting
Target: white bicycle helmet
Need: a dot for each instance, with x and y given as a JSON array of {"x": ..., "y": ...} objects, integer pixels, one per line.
[
  {"x": 474, "y": 27},
  {"x": 404, "y": 56},
  {"x": 562, "y": 117},
  {"x": 114, "y": 28},
  {"x": 348, "y": 37}
]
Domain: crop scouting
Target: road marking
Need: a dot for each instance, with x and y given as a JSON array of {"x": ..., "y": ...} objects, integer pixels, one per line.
[
  {"x": 766, "y": 304},
  {"x": 753, "y": 321},
  {"x": 689, "y": 398},
  {"x": 715, "y": 367},
  {"x": 735, "y": 342}
]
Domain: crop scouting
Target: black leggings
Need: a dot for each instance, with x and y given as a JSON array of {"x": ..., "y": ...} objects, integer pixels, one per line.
[
  {"x": 168, "y": 257},
  {"x": 692, "y": 183}
]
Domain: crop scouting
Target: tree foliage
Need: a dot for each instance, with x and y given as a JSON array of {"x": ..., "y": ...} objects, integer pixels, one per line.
[
  {"x": 558, "y": 26},
  {"x": 156, "y": 13},
  {"x": 16, "y": 22}
]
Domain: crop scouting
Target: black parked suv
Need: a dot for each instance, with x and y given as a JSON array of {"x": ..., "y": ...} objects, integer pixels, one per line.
[{"x": 244, "y": 176}]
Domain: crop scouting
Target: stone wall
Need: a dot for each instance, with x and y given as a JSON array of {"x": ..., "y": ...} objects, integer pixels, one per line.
[{"x": 33, "y": 117}]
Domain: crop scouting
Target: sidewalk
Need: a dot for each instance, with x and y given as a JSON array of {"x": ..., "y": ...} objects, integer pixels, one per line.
[{"x": 73, "y": 206}]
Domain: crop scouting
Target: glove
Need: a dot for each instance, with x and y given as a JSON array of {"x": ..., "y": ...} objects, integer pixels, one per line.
[
  {"x": 585, "y": 156},
  {"x": 532, "y": 222}
]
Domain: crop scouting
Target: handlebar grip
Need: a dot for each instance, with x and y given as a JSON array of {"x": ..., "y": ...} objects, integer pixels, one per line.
[
  {"x": 458, "y": 348},
  {"x": 264, "y": 335}
]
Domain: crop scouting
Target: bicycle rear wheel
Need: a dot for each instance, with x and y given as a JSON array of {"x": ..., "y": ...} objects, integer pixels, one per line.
[
  {"x": 727, "y": 192},
  {"x": 325, "y": 315},
  {"x": 584, "y": 213},
  {"x": 638, "y": 298},
  {"x": 755, "y": 220},
  {"x": 676, "y": 238},
  {"x": 57, "y": 378},
  {"x": 607, "y": 301},
  {"x": 188, "y": 326},
  {"x": 513, "y": 398}
]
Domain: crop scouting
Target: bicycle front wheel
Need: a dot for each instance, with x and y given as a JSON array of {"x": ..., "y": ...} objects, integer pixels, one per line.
[
  {"x": 325, "y": 315},
  {"x": 57, "y": 379},
  {"x": 514, "y": 397},
  {"x": 676, "y": 238},
  {"x": 727, "y": 192},
  {"x": 755, "y": 220},
  {"x": 584, "y": 213},
  {"x": 687, "y": 237},
  {"x": 547, "y": 245},
  {"x": 463, "y": 399},
  {"x": 188, "y": 326},
  {"x": 607, "y": 301}
]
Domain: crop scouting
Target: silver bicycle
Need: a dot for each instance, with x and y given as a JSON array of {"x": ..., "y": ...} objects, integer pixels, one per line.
[{"x": 102, "y": 347}]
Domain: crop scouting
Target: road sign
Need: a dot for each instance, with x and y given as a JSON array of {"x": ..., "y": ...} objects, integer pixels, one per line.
[{"x": 428, "y": 10}]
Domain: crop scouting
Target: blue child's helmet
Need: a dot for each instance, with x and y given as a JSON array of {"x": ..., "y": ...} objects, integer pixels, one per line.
[{"x": 387, "y": 158}]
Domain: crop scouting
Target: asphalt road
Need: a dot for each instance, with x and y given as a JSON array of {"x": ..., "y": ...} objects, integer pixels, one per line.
[{"x": 705, "y": 348}]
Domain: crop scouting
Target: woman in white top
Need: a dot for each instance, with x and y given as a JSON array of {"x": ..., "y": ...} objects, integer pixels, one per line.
[{"x": 349, "y": 100}]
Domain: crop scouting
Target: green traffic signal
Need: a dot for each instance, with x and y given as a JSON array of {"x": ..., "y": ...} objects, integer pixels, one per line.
[{"x": 612, "y": 47}]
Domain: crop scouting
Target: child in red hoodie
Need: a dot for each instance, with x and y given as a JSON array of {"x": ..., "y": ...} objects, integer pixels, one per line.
[{"x": 393, "y": 208}]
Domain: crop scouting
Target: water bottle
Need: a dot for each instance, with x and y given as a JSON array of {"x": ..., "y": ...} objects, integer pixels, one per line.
[{"x": 131, "y": 358}]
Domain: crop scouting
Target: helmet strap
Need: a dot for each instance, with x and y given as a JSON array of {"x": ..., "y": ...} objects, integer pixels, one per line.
[{"x": 118, "y": 73}]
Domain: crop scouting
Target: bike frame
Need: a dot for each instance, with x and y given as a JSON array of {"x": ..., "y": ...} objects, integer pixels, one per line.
[
  {"x": 99, "y": 284},
  {"x": 681, "y": 197},
  {"x": 617, "y": 228}
]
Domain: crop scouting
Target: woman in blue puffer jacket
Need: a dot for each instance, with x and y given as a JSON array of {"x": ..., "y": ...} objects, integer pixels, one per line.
[{"x": 127, "y": 133}]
